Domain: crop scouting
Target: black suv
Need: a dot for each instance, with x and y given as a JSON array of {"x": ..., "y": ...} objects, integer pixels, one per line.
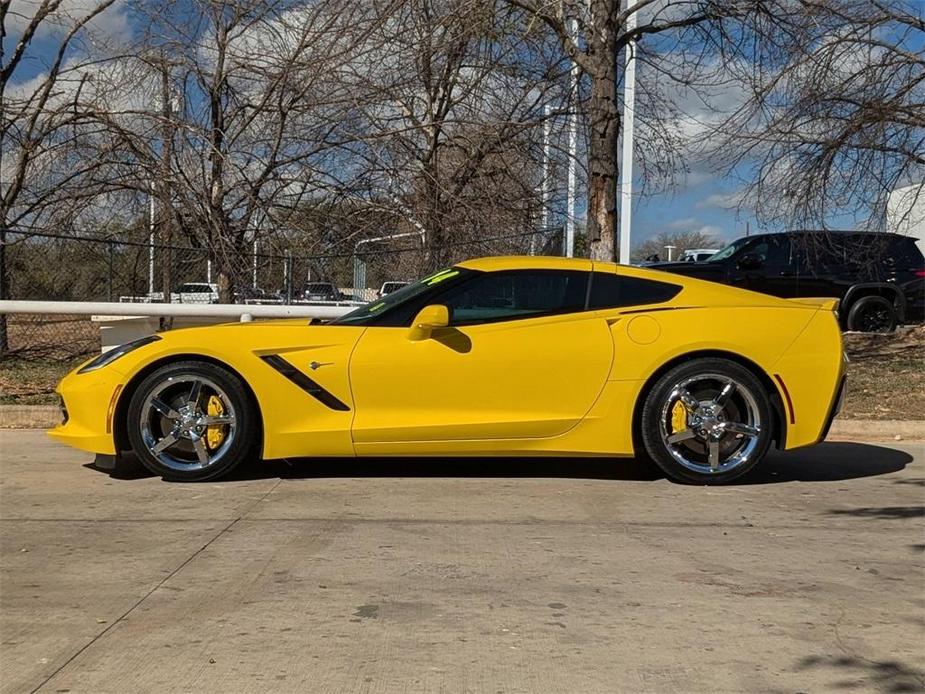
[{"x": 879, "y": 277}]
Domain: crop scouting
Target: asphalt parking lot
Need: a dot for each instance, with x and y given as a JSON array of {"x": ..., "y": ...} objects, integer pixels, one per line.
[{"x": 463, "y": 576}]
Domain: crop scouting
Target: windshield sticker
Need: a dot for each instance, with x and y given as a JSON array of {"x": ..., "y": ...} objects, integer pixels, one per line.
[
  {"x": 442, "y": 276},
  {"x": 436, "y": 274},
  {"x": 376, "y": 307}
]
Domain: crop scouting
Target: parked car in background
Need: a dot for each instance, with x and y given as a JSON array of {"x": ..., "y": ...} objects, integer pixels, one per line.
[
  {"x": 696, "y": 255},
  {"x": 389, "y": 287},
  {"x": 320, "y": 291},
  {"x": 195, "y": 293},
  {"x": 254, "y": 295},
  {"x": 879, "y": 277}
]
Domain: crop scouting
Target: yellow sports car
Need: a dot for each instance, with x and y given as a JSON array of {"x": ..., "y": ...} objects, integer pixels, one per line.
[{"x": 499, "y": 356}]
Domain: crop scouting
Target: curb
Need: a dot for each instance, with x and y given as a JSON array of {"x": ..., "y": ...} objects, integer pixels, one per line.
[
  {"x": 47, "y": 416},
  {"x": 877, "y": 430},
  {"x": 29, "y": 416}
]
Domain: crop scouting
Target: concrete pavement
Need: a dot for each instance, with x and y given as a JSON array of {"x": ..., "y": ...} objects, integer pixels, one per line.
[{"x": 463, "y": 576}]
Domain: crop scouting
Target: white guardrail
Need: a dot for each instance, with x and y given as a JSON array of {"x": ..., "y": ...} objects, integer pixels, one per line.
[
  {"x": 243, "y": 312},
  {"x": 122, "y": 322}
]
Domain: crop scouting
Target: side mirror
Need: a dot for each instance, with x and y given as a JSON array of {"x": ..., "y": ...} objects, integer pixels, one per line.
[
  {"x": 750, "y": 261},
  {"x": 428, "y": 318}
]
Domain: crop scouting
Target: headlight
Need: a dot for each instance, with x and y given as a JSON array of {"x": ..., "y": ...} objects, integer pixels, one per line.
[{"x": 107, "y": 358}]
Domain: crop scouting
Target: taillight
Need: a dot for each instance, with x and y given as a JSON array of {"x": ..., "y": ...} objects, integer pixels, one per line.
[{"x": 920, "y": 273}]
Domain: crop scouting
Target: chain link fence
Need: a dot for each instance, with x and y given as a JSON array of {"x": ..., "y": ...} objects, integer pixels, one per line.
[{"x": 36, "y": 350}]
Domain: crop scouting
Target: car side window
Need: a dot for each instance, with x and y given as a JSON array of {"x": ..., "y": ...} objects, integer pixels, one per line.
[
  {"x": 614, "y": 291},
  {"x": 773, "y": 250},
  {"x": 499, "y": 296}
]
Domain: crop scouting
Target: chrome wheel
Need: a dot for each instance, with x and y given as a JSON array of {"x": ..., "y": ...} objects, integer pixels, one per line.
[
  {"x": 188, "y": 422},
  {"x": 710, "y": 423}
]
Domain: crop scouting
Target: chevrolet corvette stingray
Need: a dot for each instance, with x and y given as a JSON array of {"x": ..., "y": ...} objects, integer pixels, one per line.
[{"x": 526, "y": 356}]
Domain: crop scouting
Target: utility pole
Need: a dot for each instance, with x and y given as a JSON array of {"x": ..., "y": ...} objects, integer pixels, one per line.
[
  {"x": 254, "y": 282},
  {"x": 151, "y": 241},
  {"x": 626, "y": 169},
  {"x": 166, "y": 201},
  {"x": 572, "y": 150},
  {"x": 544, "y": 184}
]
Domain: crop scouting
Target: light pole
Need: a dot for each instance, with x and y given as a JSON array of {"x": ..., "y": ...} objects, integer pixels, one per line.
[
  {"x": 626, "y": 168},
  {"x": 151, "y": 242},
  {"x": 544, "y": 184},
  {"x": 572, "y": 150},
  {"x": 669, "y": 248},
  {"x": 254, "y": 281}
]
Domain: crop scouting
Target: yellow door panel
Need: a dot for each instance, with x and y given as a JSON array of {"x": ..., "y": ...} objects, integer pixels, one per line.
[
  {"x": 307, "y": 403},
  {"x": 513, "y": 379}
]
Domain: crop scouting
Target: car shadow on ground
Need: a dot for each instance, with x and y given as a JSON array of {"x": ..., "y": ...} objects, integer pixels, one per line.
[
  {"x": 854, "y": 672},
  {"x": 824, "y": 463}
]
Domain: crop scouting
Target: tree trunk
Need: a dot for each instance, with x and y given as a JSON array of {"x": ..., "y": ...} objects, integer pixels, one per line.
[
  {"x": 604, "y": 117},
  {"x": 438, "y": 254}
]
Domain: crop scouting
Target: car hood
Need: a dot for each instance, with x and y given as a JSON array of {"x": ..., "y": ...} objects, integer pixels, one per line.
[{"x": 239, "y": 343}]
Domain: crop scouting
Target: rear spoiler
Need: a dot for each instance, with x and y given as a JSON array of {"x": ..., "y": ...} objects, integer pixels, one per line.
[{"x": 824, "y": 303}]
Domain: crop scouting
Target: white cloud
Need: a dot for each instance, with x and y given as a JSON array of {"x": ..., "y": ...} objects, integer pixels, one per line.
[
  {"x": 685, "y": 223},
  {"x": 693, "y": 225},
  {"x": 109, "y": 25},
  {"x": 726, "y": 201}
]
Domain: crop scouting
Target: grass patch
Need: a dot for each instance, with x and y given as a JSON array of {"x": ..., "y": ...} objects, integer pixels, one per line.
[
  {"x": 886, "y": 375},
  {"x": 33, "y": 381}
]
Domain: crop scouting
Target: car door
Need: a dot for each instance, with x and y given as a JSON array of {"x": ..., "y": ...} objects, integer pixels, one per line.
[
  {"x": 519, "y": 359},
  {"x": 764, "y": 265}
]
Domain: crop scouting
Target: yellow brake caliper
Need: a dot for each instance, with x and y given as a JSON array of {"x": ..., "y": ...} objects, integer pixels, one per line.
[
  {"x": 678, "y": 417},
  {"x": 215, "y": 433}
]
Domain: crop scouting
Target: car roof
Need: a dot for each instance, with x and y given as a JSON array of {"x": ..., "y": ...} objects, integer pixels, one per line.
[
  {"x": 525, "y": 262},
  {"x": 832, "y": 233},
  {"x": 701, "y": 292}
]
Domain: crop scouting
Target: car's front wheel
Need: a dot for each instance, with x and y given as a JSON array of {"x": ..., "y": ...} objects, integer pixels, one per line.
[
  {"x": 707, "y": 421},
  {"x": 192, "y": 421}
]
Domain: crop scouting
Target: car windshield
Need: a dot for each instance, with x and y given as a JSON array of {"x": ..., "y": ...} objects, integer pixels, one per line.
[
  {"x": 318, "y": 287},
  {"x": 194, "y": 288},
  {"x": 729, "y": 250},
  {"x": 411, "y": 292}
]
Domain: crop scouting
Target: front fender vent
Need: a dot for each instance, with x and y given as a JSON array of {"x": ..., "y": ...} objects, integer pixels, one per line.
[{"x": 311, "y": 387}]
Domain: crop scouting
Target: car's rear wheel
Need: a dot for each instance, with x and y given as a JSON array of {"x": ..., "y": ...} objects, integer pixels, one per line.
[
  {"x": 872, "y": 314},
  {"x": 192, "y": 421},
  {"x": 707, "y": 421}
]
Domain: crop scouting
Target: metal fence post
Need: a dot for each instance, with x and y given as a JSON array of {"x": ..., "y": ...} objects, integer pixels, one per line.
[
  {"x": 287, "y": 275},
  {"x": 109, "y": 268}
]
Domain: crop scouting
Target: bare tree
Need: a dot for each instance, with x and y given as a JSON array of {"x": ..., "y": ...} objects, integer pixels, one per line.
[
  {"x": 834, "y": 118},
  {"x": 450, "y": 110},
  {"x": 255, "y": 115},
  {"x": 41, "y": 112},
  {"x": 680, "y": 242}
]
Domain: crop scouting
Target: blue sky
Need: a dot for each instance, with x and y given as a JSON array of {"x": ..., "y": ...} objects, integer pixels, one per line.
[{"x": 700, "y": 205}]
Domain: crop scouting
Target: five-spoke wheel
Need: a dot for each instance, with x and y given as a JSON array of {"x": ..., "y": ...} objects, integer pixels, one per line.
[
  {"x": 191, "y": 421},
  {"x": 707, "y": 421}
]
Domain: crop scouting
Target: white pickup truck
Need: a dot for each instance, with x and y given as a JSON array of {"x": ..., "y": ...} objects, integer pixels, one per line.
[{"x": 195, "y": 293}]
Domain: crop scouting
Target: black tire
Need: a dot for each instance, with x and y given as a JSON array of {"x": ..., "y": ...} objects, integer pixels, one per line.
[
  {"x": 707, "y": 376},
  {"x": 143, "y": 420},
  {"x": 872, "y": 314}
]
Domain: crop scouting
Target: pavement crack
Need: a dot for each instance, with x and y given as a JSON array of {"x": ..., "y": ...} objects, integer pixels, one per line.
[{"x": 153, "y": 590}]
